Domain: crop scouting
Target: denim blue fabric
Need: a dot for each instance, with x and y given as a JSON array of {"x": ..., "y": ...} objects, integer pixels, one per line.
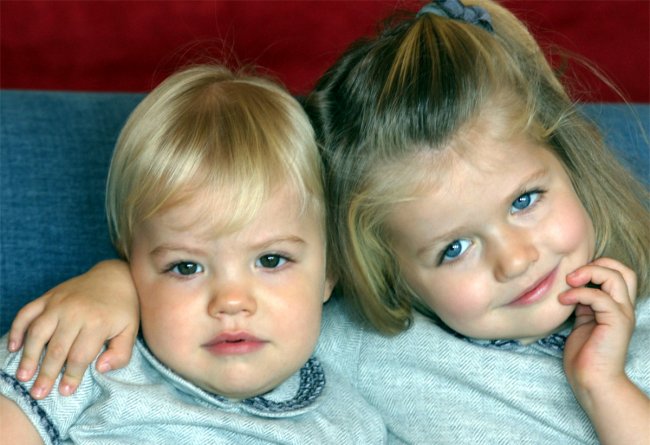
[
  {"x": 55, "y": 148},
  {"x": 55, "y": 151}
]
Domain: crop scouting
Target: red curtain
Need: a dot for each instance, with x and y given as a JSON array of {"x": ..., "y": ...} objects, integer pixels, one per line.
[{"x": 132, "y": 45}]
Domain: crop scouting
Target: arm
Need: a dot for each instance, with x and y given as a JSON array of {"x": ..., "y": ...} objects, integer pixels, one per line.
[
  {"x": 15, "y": 427},
  {"x": 74, "y": 320},
  {"x": 595, "y": 352}
]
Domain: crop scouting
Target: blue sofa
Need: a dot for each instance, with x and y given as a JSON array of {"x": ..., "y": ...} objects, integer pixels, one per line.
[{"x": 55, "y": 149}]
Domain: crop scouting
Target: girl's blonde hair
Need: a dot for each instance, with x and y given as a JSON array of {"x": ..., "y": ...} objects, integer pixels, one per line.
[
  {"x": 207, "y": 126},
  {"x": 417, "y": 86}
]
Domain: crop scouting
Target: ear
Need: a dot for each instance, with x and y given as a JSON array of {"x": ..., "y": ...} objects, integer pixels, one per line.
[{"x": 330, "y": 282}]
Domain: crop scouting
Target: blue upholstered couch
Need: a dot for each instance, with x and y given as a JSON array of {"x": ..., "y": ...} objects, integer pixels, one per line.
[{"x": 55, "y": 149}]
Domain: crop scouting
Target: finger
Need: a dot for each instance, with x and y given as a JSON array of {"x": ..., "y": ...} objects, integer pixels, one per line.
[
  {"x": 628, "y": 275},
  {"x": 25, "y": 316},
  {"x": 611, "y": 281},
  {"x": 583, "y": 314},
  {"x": 53, "y": 361},
  {"x": 42, "y": 387},
  {"x": 38, "y": 335},
  {"x": 118, "y": 353},
  {"x": 84, "y": 350},
  {"x": 605, "y": 309}
]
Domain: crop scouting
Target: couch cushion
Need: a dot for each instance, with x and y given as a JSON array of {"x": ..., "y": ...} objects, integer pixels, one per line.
[{"x": 56, "y": 149}]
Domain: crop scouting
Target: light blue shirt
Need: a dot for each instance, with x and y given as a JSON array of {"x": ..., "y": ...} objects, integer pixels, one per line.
[
  {"x": 146, "y": 403},
  {"x": 435, "y": 388}
]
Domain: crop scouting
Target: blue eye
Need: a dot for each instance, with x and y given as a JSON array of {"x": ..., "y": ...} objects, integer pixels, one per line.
[
  {"x": 455, "y": 249},
  {"x": 271, "y": 261},
  {"x": 186, "y": 268},
  {"x": 525, "y": 200}
]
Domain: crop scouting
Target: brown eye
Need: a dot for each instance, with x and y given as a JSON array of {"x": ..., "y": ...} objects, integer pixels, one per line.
[
  {"x": 271, "y": 261},
  {"x": 187, "y": 268}
]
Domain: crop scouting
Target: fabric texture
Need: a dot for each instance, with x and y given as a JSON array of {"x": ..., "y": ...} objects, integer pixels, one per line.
[
  {"x": 433, "y": 387},
  {"x": 146, "y": 403}
]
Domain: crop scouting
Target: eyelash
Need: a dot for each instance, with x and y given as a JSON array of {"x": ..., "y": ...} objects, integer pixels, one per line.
[
  {"x": 442, "y": 259},
  {"x": 540, "y": 195},
  {"x": 285, "y": 258},
  {"x": 172, "y": 266},
  {"x": 534, "y": 203}
]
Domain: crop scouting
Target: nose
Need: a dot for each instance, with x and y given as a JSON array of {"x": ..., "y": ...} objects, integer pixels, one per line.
[
  {"x": 514, "y": 252},
  {"x": 229, "y": 300}
]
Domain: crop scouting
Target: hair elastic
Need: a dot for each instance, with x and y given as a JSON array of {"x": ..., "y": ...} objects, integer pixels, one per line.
[{"x": 454, "y": 9}]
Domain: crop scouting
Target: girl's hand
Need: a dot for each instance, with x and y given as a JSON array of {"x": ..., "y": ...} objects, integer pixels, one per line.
[
  {"x": 596, "y": 350},
  {"x": 74, "y": 320}
]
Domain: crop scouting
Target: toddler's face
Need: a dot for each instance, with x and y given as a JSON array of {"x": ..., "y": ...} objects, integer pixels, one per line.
[
  {"x": 490, "y": 241},
  {"x": 235, "y": 313}
]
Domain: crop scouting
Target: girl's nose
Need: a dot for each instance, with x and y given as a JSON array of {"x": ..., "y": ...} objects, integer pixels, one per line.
[
  {"x": 232, "y": 300},
  {"x": 515, "y": 252}
]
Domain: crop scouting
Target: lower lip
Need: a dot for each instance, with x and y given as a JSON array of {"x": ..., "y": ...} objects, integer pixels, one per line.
[
  {"x": 538, "y": 292},
  {"x": 235, "y": 348}
]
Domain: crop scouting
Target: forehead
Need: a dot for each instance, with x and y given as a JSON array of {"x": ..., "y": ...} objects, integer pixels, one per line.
[
  {"x": 473, "y": 158},
  {"x": 210, "y": 214},
  {"x": 468, "y": 178}
]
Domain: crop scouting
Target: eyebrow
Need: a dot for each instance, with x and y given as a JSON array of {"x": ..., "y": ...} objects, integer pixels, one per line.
[
  {"x": 432, "y": 242},
  {"x": 456, "y": 231},
  {"x": 292, "y": 239},
  {"x": 164, "y": 248}
]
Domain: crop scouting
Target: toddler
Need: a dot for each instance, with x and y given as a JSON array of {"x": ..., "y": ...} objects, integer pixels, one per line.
[{"x": 214, "y": 198}]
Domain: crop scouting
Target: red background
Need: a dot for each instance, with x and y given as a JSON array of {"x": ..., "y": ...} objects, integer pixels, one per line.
[{"x": 132, "y": 45}]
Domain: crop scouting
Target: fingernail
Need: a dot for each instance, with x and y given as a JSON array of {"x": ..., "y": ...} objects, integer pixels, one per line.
[
  {"x": 38, "y": 391},
  {"x": 22, "y": 374},
  {"x": 67, "y": 389},
  {"x": 103, "y": 366},
  {"x": 12, "y": 346}
]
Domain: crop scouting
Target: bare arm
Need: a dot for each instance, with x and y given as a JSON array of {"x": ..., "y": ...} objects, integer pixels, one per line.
[
  {"x": 595, "y": 353},
  {"x": 620, "y": 413},
  {"x": 15, "y": 427},
  {"x": 74, "y": 320}
]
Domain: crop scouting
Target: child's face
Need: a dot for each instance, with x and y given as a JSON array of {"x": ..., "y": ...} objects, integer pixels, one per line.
[
  {"x": 489, "y": 244},
  {"x": 235, "y": 313}
]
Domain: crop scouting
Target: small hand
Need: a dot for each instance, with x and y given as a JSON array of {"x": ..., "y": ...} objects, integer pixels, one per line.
[
  {"x": 74, "y": 320},
  {"x": 595, "y": 351}
]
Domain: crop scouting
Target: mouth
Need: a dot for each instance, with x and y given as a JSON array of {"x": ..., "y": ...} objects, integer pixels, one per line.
[
  {"x": 537, "y": 291},
  {"x": 234, "y": 343}
]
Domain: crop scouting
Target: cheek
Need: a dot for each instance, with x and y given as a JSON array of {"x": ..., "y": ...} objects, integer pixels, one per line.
[
  {"x": 164, "y": 312},
  {"x": 298, "y": 317},
  {"x": 572, "y": 228},
  {"x": 451, "y": 297}
]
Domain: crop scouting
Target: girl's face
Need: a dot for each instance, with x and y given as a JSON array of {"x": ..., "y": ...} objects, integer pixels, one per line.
[
  {"x": 490, "y": 241},
  {"x": 236, "y": 313}
]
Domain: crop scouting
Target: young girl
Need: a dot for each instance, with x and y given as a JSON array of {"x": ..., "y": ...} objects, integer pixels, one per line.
[
  {"x": 476, "y": 214},
  {"x": 514, "y": 227},
  {"x": 230, "y": 289}
]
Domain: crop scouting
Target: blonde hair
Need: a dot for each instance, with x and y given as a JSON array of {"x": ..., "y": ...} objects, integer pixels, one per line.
[
  {"x": 207, "y": 126},
  {"x": 417, "y": 86}
]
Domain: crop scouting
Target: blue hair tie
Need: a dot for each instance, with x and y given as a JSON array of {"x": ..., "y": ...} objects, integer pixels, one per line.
[{"x": 454, "y": 9}]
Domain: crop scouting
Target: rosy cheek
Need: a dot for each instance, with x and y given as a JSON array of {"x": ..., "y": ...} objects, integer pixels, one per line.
[
  {"x": 573, "y": 228},
  {"x": 457, "y": 300}
]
